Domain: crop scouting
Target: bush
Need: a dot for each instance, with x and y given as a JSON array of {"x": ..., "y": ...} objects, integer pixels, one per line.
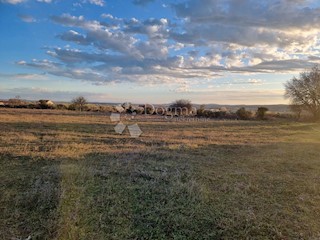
[
  {"x": 243, "y": 114},
  {"x": 106, "y": 108},
  {"x": 148, "y": 109},
  {"x": 127, "y": 106},
  {"x": 92, "y": 107},
  {"x": 33, "y": 106},
  {"x": 181, "y": 106},
  {"x": 139, "y": 110},
  {"x": 201, "y": 111},
  {"x": 62, "y": 107},
  {"x": 72, "y": 107},
  {"x": 261, "y": 113}
]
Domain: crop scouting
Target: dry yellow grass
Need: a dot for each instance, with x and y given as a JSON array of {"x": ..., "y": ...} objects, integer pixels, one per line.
[{"x": 68, "y": 175}]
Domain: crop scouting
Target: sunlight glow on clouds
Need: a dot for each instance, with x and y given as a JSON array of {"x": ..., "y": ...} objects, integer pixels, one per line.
[
  {"x": 233, "y": 36},
  {"x": 194, "y": 43}
]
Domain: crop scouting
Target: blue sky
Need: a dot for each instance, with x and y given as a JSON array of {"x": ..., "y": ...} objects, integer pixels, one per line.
[{"x": 156, "y": 51}]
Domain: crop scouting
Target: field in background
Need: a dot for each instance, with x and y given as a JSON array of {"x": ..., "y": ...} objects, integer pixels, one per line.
[{"x": 68, "y": 175}]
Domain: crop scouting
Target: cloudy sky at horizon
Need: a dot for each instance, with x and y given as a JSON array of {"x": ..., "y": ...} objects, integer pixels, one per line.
[{"x": 156, "y": 51}]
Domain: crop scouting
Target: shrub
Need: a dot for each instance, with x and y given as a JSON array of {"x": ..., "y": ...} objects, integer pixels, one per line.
[
  {"x": 106, "y": 108},
  {"x": 92, "y": 107},
  {"x": 62, "y": 107},
  {"x": 201, "y": 111},
  {"x": 139, "y": 110},
  {"x": 127, "y": 106},
  {"x": 181, "y": 106},
  {"x": 243, "y": 114},
  {"x": 148, "y": 109},
  {"x": 261, "y": 113},
  {"x": 33, "y": 106},
  {"x": 72, "y": 107}
]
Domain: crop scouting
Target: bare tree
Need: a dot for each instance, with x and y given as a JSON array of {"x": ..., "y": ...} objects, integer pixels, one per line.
[
  {"x": 79, "y": 103},
  {"x": 181, "y": 106},
  {"x": 305, "y": 91}
]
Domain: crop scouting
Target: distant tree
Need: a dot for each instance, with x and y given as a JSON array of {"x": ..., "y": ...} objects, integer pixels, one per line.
[
  {"x": 181, "y": 106},
  {"x": 79, "y": 103},
  {"x": 201, "y": 110},
  {"x": 243, "y": 114},
  {"x": 261, "y": 112},
  {"x": 305, "y": 91},
  {"x": 15, "y": 102}
]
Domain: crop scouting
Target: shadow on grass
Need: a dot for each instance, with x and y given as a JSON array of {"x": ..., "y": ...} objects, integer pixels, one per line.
[
  {"x": 138, "y": 196},
  {"x": 29, "y": 197},
  {"x": 209, "y": 192}
]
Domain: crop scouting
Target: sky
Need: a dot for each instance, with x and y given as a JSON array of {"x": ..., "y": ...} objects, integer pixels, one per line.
[{"x": 156, "y": 51}]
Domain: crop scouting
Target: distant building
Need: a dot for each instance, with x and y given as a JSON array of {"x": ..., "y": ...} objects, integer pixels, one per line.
[{"x": 46, "y": 104}]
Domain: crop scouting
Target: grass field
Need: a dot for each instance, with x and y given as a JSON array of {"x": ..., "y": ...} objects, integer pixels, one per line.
[{"x": 68, "y": 175}]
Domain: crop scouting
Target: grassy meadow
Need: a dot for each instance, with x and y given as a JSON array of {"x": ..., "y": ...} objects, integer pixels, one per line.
[{"x": 68, "y": 175}]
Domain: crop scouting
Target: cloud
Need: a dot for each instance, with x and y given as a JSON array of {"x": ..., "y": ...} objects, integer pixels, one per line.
[
  {"x": 142, "y": 2},
  {"x": 279, "y": 23},
  {"x": 12, "y": 1},
  {"x": 27, "y": 18},
  {"x": 35, "y": 93},
  {"x": 100, "y": 3},
  {"x": 204, "y": 41},
  {"x": 21, "y": 1},
  {"x": 24, "y": 76},
  {"x": 182, "y": 88},
  {"x": 45, "y": 1}
]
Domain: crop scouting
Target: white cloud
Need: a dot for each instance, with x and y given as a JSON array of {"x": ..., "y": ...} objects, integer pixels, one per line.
[
  {"x": 100, "y": 3},
  {"x": 24, "y": 76},
  {"x": 27, "y": 18},
  {"x": 12, "y": 1},
  {"x": 205, "y": 41},
  {"x": 45, "y": 1},
  {"x": 35, "y": 93}
]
